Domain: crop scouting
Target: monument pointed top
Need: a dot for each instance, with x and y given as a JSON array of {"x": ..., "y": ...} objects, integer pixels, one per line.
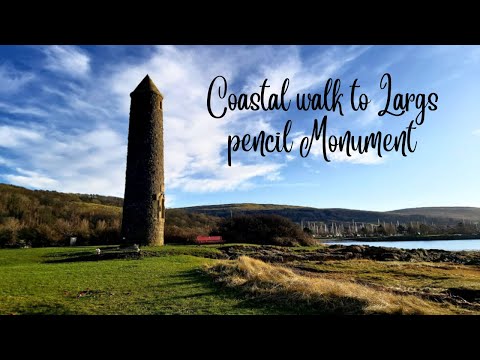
[{"x": 147, "y": 85}]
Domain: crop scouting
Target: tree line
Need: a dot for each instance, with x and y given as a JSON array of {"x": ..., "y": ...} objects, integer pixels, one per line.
[{"x": 48, "y": 218}]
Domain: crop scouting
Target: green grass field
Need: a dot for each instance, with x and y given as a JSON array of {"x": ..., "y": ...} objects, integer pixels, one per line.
[
  {"x": 172, "y": 280},
  {"x": 36, "y": 281}
]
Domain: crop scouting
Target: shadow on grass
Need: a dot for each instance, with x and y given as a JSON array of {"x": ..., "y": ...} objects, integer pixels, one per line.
[
  {"x": 114, "y": 253},
  {"x": 272, "y": 305},
  {"x": 44, "y": 309},
  {"x": 89, "y": 256}
]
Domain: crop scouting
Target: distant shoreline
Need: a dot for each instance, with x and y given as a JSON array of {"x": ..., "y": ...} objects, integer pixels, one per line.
[{"x": 402, "y": 238}]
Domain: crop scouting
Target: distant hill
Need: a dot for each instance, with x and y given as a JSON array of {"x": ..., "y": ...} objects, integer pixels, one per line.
[
  {"x": 46, "y": 197},
  {"x": 109, "y": 208},
  {"x": 451, "y": 213},
  {"x": 438, "y": 215}
]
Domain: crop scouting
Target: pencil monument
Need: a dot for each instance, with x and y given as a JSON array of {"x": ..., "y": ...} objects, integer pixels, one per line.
[{"x": 144, "y": 201}]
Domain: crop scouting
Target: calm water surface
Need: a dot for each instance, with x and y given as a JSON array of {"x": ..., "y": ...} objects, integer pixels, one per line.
[{"x": 451, "y": 245}]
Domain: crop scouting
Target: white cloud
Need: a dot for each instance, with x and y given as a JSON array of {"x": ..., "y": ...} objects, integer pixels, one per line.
[
  {"x": 92, "y": 102},
  {"x": 12, "y": 137},
  {"x": 274, "y": 176},
  {"x": 194, "y": 140},
  {"x": 370, "y": 116},
  {"x": 367, "y": 158},
  {"x": 91, "y": 161},
  {"x": 170, "y": 201},
  {"x": 69, "y": 60},
  {"x": 24, "y": 110},
  {"x": 237, "y": 176},
  {"x": 30, "y": 179},
  {"x": 254, "y": 126},
  {"x": 286, "y": 62},
  {"x": 476, "y": 132},
  {"x": 90, "y": 156},
  {"x": 12, "y": 80}
]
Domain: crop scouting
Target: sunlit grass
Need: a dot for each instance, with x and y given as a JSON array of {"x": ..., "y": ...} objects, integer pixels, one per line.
[{"x": 281, "y": 285}]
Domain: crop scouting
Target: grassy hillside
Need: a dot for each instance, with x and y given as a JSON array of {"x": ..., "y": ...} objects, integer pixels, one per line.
[
  {"x": 52, "y": 197},
  {"x": 440, "y": 215},
  {"x": 40, "y": 218},
  {"x": 111, "y": 206},
  {"x": 451, "y": 213}
]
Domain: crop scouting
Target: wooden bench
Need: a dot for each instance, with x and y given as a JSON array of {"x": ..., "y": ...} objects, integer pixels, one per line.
[{"x": 209, "y": 240}]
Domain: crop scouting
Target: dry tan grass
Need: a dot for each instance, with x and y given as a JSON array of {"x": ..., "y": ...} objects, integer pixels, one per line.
[{"x": 278, "y": 284}]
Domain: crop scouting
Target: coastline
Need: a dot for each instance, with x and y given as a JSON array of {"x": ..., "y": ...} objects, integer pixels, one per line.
[{"x": 401, "y": 238}]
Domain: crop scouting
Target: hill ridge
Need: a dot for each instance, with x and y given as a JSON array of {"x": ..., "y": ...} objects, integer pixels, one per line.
[{"x": 439, "y": 214}]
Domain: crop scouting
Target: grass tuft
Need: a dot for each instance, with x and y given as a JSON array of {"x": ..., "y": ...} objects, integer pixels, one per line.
[{"x": 278, "y": 284}]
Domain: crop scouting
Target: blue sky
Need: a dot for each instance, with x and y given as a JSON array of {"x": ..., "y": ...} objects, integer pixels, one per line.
[{"x": 64, "y": 123}]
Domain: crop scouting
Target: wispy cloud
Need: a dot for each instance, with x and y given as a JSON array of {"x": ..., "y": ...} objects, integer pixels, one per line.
[
  {"x": 195, "y": 142},
  {"x": 22, "y": 110},
  {"x": 12, "y": 80},
  {"x": 91, "y": 161},
  {"x": 476, "y": 132},
  {"x": 304, "y": 74},
  {"x": 368, "y": 158},
  {"x": 68, "y": 60},
  {"x": 370, "y": 115},
  {"x": 15, "y": 137},
  {"x": 84, "y": 147},
  {"x": 227, "y": 178},
  {"x": 30, "y": 179},
  {"x": 5, "y": 162}
]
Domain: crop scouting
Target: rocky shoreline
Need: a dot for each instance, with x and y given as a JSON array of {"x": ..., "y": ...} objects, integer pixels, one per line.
[{"x": 348, "y": 252}]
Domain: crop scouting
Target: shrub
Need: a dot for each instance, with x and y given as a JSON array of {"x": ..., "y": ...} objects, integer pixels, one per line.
[
  {"x": 183, "y": 227},
  {"x": 263, "y": 229},
  {"x": 7, "y": 237}
]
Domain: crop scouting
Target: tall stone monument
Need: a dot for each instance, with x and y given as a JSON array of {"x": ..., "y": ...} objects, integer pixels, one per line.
[{"x": 144, "y": 201}]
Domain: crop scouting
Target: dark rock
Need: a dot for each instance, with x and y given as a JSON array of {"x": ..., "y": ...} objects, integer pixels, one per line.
[
  {"x": 340, "y": 252},
  {"x": 388, "y": 256},
  {"x": 470, "y": 295}
]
